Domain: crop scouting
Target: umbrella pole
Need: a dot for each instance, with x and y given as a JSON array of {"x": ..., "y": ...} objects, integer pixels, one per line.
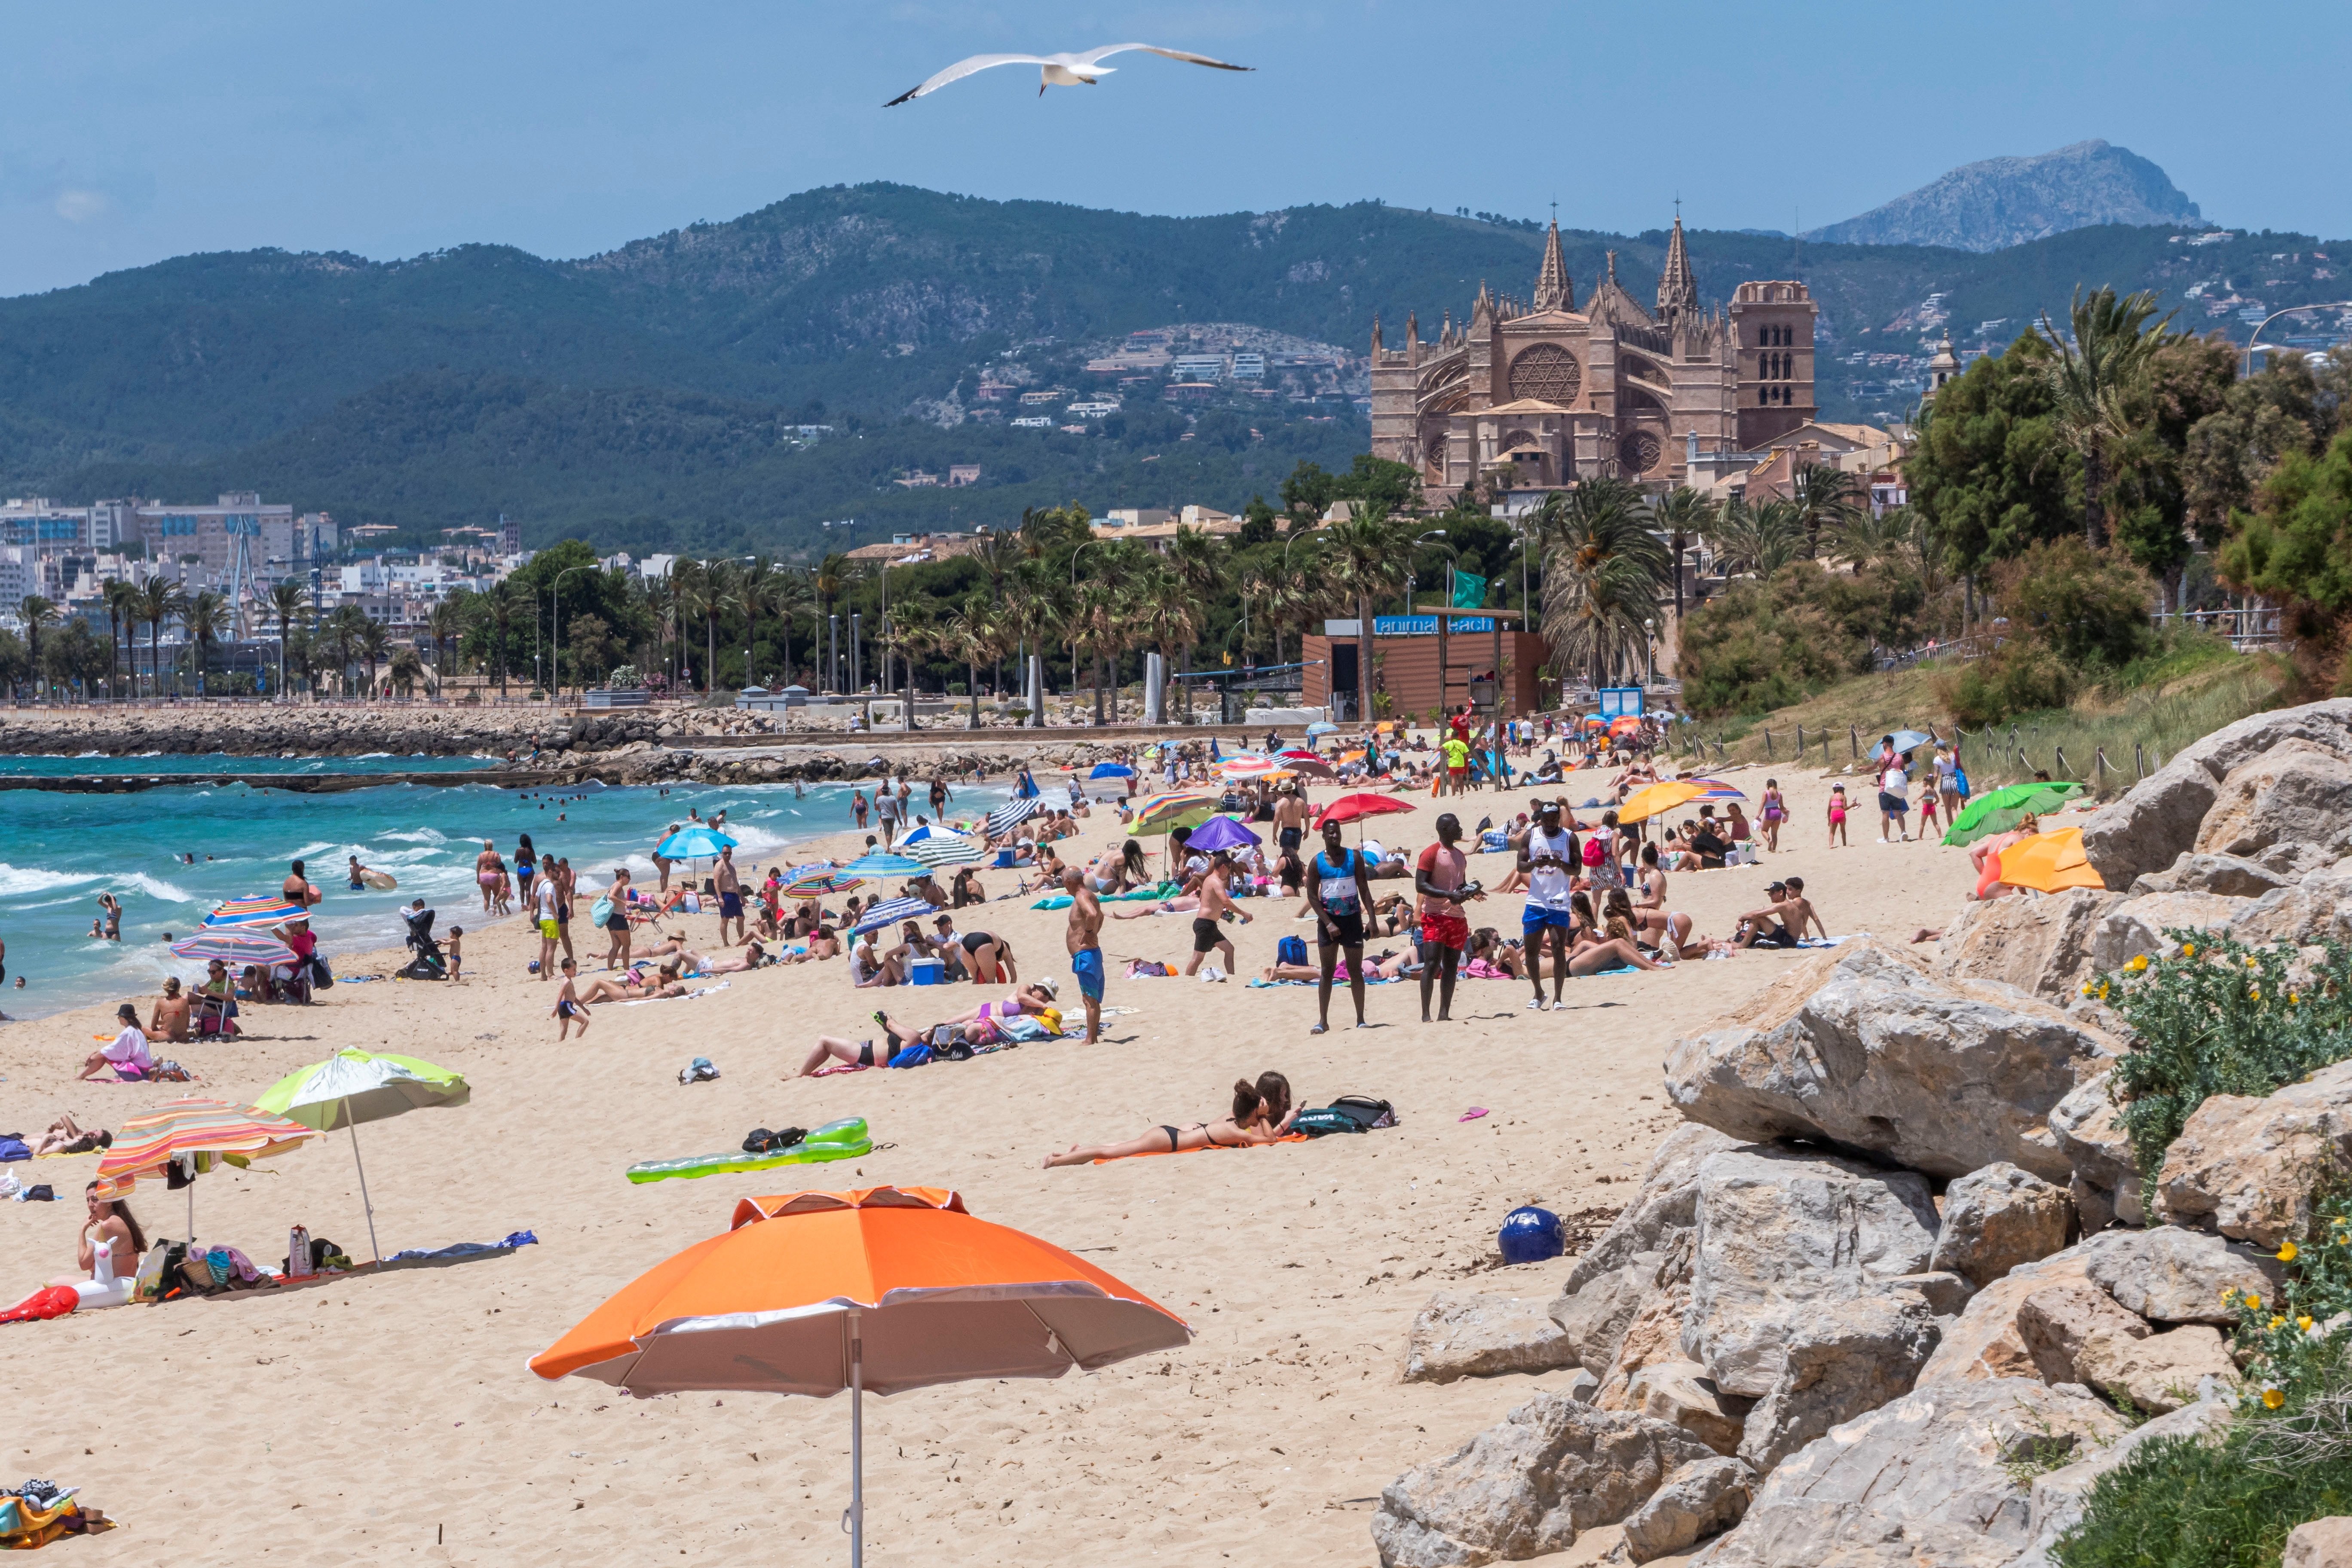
[
  {"x": 856, "y": 1443},
  {"x": 364, "y": 1202}
]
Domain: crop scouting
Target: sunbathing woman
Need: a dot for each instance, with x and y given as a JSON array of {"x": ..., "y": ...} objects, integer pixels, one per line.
[
  {"x": 1262, "y": 1114},
  {"x": 65, "y": 1138},
  {"x": 1666, "y": 930},
  {"x": 631, "y": 987},
  {"x": 1614, "y": 951},
  {"x": 1029, "y": 999},
  {"x": 1386, "y": 966}
]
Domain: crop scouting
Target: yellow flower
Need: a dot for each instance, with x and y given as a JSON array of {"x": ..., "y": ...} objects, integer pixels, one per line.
[
  {"x": 2254, "y": 1302},
  {"x": 2138, "y": 965},
  {"x": 2292, "y": 999},
  {"x": 2188, "y": 950},
  {"x": 2304, "y": 1323},
  {"x": 2251, "y": 964},
  {"x": 2272, "y": 1399},
  {"x": 2288, "y": 1253},
  {"x": 2086, "y": 990},
  {"x": 2276, "y": 1321},
  {"x": 2229, "y": 1294},
  {"x": 2103, "y": 990}
]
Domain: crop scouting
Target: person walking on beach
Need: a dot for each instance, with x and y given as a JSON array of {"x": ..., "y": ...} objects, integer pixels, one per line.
[
  {"x": 1948, "y": 780},
  {"x": 617, "y": 923},
  {"x": 731, "y": 897},
  {"x": 1441, "y": 878},
  {"x": 568, "y": 1007},
  {"x": 886, "y": 811},
  {"x": 543, "y": 912},
  {"x": 1338, "y": 892},
  {"x": 857, "y": 807},
  {"x": 1774, "y": 810},
  {"x": 1837, "y": 816},
  {"x": 1289, "y": 817},
  {"x": 487, "y": 870},
  {"x": 1084, "y": 940},
  {"x": 1548, "y": 858},
  {"x": 526, "y": 865},
  {"x": 1208, "y": 934},
  {"x": 566, "y": 887}
]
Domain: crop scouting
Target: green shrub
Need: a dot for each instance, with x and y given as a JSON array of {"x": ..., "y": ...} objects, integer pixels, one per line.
[
  {"x": 2222, "y": 1018},
  {"x": 2020, "y": 676},
  {"x": 1764, "y": 644},
  {"x": 2090, "y": 608}
]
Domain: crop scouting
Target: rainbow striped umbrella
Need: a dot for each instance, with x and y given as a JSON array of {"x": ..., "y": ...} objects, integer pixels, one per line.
[
  {"x": 1159, "y": 813},
  {"x": 234, "y": 947},
  {"x": 262, "y": 912},
  {"x": 144, "y": 1145},
  {"x": 816, "y": 881},
  {"x": 1715, "y": 789}
]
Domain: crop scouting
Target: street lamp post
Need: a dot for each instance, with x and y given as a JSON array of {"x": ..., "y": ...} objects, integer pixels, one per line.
[
  {"x": 555, "y": 632},
  {"x": 2274, "y": 315},
  {"x": 1074, "y": 635}
]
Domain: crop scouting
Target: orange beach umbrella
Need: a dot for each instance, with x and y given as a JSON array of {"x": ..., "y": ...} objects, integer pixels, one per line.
[
  {"x": 2049, "y": 863},
  {"x": 1651, "y": 799},
  {"x": 885, "y": 1289}
]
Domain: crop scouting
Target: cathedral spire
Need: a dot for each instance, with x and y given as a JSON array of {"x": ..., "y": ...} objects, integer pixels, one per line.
[
  {"x": 1553, "y": 290},
  {"x": 1677, "y": 286},
  {"x": 1376, "y": 335}
]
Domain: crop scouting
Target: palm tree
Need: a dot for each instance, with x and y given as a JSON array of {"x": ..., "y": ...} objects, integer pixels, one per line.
[
  {"x": 1761, "y": 539},
  {"x": 1826, "y": 497},
  {"x": 407, "y": 669},
  {"x": 286, "y": 601},
  {"x": 207, "y": 613},
  {"x": 38, "y": 614},
  {"x": 750, "y": 593},
  {"x": 373, "y": 643},
  {"x": 1604, "y": 571},
  {"x": 1367, "y": 555},
  {"x": 159, "y": 602},
  {"x": 446, "y": 623},
  {"x": 789, "y": 594},
  {"x": 1683, "y": 514},
  {"x": 2092, "y": 378},
  {"x": 344, "y": 636},
  {"x": 830, "y": 580},
  {"x": 1199, "y": 563},
  {"x": 120, "y": 598},
  {"x": 498, "y": 609},
  {"x": 1032, "y": 615}
]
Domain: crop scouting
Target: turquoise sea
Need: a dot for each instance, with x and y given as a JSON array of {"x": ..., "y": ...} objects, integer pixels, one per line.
[{"x": 59, "y": 851}]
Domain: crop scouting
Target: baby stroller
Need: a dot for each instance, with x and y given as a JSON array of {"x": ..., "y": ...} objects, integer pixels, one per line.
[{"x": 428, "y": 963}]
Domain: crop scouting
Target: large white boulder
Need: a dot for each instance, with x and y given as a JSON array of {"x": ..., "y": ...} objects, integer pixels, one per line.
[
  {"x": 2158, "y": 1372},
  {"x": 2169, "y": 1275},
  {"x": 1697, "y": 1500},
  {"x": 1844, "y": 1359},
  {"x": 1460, "y": 1333},
  {"x": 2250, "y": 1167},
  {"x": 2042, "y": 946},
  {"x": 2291, "y": 806},
  {"x": 2137, "y": 926},
  {"x": 1782, "y": 1236},
  {"x": 1665, "y": 1204},
  {"x": 2161, "y": 816},
  {"x": 1861, "y": 1048},
  {"x": 1998, "y": 1217}
]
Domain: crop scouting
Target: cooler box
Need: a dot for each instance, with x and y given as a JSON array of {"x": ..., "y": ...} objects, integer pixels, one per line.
[
  {"x": 1004, "y": 861},
  {"x": 925, "y": 972}
]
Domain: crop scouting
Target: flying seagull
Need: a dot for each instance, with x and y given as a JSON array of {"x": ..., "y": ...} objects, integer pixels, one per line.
[{"x": 1058, "y": 70}]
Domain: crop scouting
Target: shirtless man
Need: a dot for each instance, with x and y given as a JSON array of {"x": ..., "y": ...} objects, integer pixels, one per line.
[
  {"x": 1443, "y": 882},
  {"x": 1783, "y": 922},
  {"x": 731, "y": 897},
  {"x": 1290, "y": 818},
  {"x": 297, "y": 888},
  {"x": 1208, "y": 934},
  {"x": 662, "y": 863},
  {"x": 487, "y": 870},
  {"x": 1083, "y": 939}
]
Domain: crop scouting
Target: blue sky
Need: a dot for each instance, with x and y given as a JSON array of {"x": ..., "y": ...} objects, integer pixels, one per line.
[{"x": 139, "y": 131}]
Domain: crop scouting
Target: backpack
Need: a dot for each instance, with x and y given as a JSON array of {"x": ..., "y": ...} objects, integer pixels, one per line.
[
  {"x": 1349, "y": 1113},
  {"x": 759, "y": 1141},
  {"x": 1594, "y": 851},
  {"x": 1291, "y": 949}
]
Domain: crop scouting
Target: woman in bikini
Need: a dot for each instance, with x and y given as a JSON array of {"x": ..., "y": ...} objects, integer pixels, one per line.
[
  {"x": 1666, "y": 929},
  {"x": 631, "y": 987},
  {"x": 1776, "y": 811},
  {"x": 1262, "y": 1114}
]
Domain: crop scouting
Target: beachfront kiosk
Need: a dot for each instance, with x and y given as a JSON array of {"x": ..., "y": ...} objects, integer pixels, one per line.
[{"x": 1435, "y": 660}]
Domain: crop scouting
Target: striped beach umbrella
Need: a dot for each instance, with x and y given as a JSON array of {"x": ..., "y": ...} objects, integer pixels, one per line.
[
  {"x": 889, "y": 913},
  {"x": 880, "y": 867},
  {"x": 233, "y": 947},
  {"x": 1715, "y": 789},
  {"x": 940, "y": 848},
  {"x": 144, "y": 1145},
  {"x": 816, "y": 881},
  {"x": 268, "y": 910},
  {"x": 1011, "y": 815},
  {"x": 1159, "y": 813}
]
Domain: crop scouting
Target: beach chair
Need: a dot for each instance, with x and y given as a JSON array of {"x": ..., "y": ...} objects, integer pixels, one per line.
[{"x": 215, "y": 1016}]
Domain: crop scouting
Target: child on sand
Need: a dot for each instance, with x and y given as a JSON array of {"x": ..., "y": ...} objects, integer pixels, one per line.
[
  {"x": 568, "y": 1006},
  {"x": 1775, "y": 809},
  {"x": 1837, "y": 816},
  {"x": 455, "y": 945}
]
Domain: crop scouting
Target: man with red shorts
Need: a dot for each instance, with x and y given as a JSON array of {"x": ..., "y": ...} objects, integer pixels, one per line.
[{"x": 1443, "y": 882}]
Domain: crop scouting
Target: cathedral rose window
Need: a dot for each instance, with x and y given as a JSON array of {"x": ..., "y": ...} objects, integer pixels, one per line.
[
  {"x": 1546, "y": 373},
  {"x": 1638, "y": 451}
]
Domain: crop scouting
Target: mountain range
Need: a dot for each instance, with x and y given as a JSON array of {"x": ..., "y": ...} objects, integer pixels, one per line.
[
  {"x": 2002, "y": 202},
  {"x": 656, "y": 396}
]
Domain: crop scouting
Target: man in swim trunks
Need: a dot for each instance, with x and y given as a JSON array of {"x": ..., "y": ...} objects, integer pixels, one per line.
[
  {"x": 1443, "y": 882},
  {"x": 1337, "y": 890},
  {"x": 543, "y": 912},
  {"x": 1290, "y": 818},
  {"x": 1547, "y": 857},
  {"x": 1084, "y": 940},
  {"x": 1208, "y": 935},
  {"x": 731, "y": 897}
]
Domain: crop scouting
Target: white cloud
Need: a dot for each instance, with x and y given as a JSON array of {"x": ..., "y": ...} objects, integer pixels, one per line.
[{"x": 78, "y": 206}]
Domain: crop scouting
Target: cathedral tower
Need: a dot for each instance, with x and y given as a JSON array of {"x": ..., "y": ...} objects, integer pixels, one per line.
[
  {"x": 1677, "y": 286},
  {"x": 1553, "y": 289}
]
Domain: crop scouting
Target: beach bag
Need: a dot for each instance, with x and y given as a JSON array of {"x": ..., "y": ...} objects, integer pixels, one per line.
[
  {"x": 1290, "y": 950},
  {"x": 1594, "y": 851},
  {"x": 1349, "y": 1113},
  {"x": 322, "y": 977},
  {"x": 599, "y": 911},
  {"x": 912, "y": 1056}
]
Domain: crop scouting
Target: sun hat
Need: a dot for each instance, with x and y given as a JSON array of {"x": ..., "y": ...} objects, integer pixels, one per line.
[{"x": 1051, "y": 987}]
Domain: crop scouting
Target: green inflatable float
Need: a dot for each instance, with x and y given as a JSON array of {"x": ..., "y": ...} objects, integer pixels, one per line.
[{"x": 843, "y": 1140}]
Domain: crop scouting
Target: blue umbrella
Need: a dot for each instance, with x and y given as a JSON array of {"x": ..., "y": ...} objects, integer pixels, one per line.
[
  {"x": 695, "y": 843},
  {"x": 1910, "y": 739},
  {"x": 878, "y": 866},
  {"x": 889, "y": 913},
  {"x": 1221, "y": 832},
  {"x": 1111, "y": 771},
  {"x": 1320, "y": 727}
]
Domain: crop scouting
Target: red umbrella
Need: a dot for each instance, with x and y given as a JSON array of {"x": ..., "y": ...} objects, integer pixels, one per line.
[
  {"x": 1306, "y": 762},
  {"x": 1354, "y": 807}
]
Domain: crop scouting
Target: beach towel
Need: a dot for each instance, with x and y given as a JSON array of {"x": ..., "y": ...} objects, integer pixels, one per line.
[
  {"x": 1155, "y": 1153},
  {"x": 689, "y": 997},
  {"x": 1831, "y": 941}
]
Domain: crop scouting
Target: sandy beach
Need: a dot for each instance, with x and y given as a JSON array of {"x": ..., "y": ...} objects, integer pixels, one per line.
[{"x": 382, "y": 1418}]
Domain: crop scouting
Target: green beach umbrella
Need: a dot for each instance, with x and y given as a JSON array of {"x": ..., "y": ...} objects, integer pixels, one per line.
[
  {"x": 354, "y": 1086},
  {"x": 2007, "y": 806}
]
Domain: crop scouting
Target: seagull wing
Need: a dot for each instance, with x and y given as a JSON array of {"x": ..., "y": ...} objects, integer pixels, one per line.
[
  {"x": 962, "y": 68},
  {"x": 1095, "y": 57}
]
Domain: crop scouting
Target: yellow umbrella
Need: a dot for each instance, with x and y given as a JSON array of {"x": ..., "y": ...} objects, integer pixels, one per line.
[
  {"x": 2049, "y": 863},
  {"x": 1651, "y": 799}
]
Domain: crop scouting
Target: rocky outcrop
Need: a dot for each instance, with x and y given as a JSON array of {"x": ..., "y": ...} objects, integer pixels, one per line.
[
  {"x": 2250, "y": 1167},
  {"x": 2227, "y": 874},
  {"x": 2057, "y": 1322},
  {"x": 2285, "y": 806},
  {"x": 2162, "y": 816},
  {"x": 1666, "y": 1202},
  {"x": 1859, "y": 1047},
  {"x": 1697, "y": 1500},
  {"x": 1680, "y": 1393},
  {"x": 2056, "y": 1505},
  {"x": 1998, "y": 1217},
  {"x": 2158, "y": 1372},
  {"x": 1551, "y": 1469},
  {"x": 1461, "y": 1334},
  {"x": 2317, "y": 908},
  {"x": 2173, "y": 1275},
  {"x": 2042, "y": 946},
  {"x": 1780, "y": 1236},
  {"x": 1923, "y": 1480},
  {"x": 1989, "y": 1340},
  {"x": 2137, "y": 926},
  {"x": 2319, "y": 1544},
  {"x": 2105, "y": 1183},
  {"x": 1593, "y": 1322},
  {"x": 1844, "y": 1359}
]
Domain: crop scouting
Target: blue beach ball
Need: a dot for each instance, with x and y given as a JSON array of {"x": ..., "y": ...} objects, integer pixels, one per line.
[{"x": 1531, "y": 1235}]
